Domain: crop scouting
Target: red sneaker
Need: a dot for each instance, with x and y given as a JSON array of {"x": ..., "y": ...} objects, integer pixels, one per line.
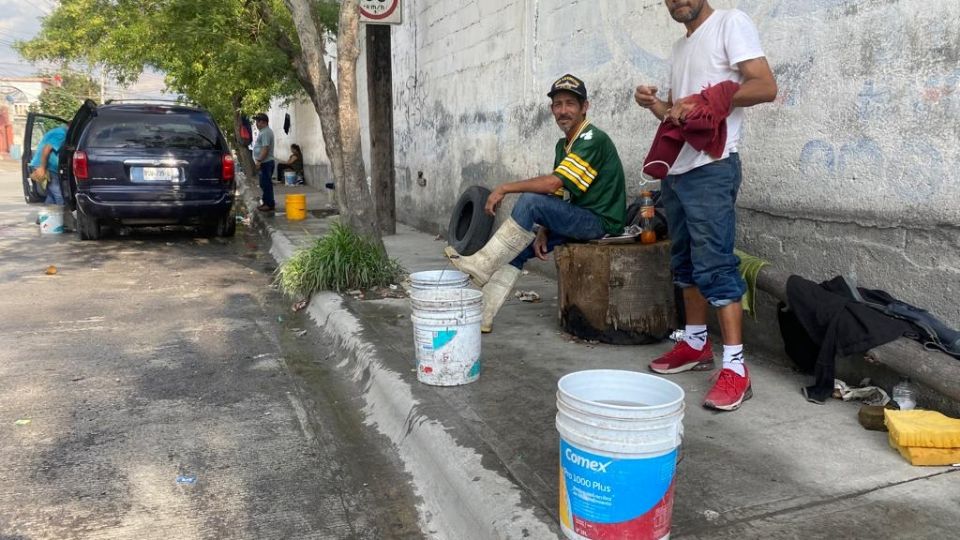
[
  {"x": 683, "y": 357},
  {"x": 729, "y": 391}
]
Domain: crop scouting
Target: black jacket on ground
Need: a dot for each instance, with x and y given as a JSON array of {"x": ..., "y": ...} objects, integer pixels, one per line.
[{"x": 837, "y": 323}]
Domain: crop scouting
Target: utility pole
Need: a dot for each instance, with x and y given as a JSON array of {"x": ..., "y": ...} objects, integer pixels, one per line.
[
  {"x": 377, "y": 16},
  {"x": 103, "y": 84},
  {"x": 380, "y": 99}
]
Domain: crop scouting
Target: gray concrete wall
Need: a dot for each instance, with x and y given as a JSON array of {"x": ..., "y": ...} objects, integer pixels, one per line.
[{"x": 852, "y": 170}]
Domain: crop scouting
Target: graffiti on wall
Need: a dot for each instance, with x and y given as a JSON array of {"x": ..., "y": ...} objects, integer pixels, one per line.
[{"x": 914, "y": 169}]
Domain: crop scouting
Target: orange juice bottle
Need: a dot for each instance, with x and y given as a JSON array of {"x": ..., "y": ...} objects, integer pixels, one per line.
[{"x": 647, "y": 234}]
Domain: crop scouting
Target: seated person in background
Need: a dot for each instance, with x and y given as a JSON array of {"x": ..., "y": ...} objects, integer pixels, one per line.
[{"x": 294, "y": 163}]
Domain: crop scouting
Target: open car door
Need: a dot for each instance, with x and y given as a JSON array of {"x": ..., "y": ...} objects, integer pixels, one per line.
[
  {"x": 37, "y": 125},
  {"x": 68, "y": 184}
]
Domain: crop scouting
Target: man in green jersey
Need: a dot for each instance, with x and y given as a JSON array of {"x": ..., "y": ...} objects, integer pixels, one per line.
[{"x": 582, "y": 199}]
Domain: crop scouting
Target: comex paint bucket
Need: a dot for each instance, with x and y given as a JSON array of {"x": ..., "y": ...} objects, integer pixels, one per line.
[
  {"x": 290, "y": 177},
  {"x": 51, "y": 220},
  {"x": 446, "y": 333},
  {"x": 620, "y": 432},
  {"x": 439, "y": 279}
]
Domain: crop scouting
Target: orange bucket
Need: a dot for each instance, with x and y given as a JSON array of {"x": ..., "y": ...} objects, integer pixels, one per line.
[{"x": 296, "y": 206}]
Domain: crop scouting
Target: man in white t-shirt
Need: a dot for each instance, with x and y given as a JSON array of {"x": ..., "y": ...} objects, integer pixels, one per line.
[{"x": 700, "y": 191}]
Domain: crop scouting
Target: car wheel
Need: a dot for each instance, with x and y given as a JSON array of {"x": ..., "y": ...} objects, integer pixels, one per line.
[
  {"x": 470, "y": 226},
  {"x": 224, "y": 226},
  {"x": 227, "y": 225},
  {"x": 89, "y": 227}
]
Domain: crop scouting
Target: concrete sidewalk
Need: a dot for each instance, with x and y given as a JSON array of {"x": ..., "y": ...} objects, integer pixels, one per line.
[{"x": 484, "y": 457}]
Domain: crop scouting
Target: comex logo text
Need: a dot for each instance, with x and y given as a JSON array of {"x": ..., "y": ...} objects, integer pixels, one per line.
[{"x": 585, "y": 462}]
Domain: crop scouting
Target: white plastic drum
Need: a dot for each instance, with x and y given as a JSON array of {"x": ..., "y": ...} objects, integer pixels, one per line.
[
  {"x": 446, "y": 333},
  {"x": 620, "y": 432}
]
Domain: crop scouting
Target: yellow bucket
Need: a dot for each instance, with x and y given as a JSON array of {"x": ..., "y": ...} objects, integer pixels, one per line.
[{"x": 296, "y": 206}]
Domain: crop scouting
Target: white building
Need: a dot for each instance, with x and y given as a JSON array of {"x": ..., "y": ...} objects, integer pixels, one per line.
[{"x": 16, "y": 97}]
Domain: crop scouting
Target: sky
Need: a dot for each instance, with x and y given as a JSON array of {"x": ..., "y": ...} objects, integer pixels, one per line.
[{"x": 21, "y": 19}]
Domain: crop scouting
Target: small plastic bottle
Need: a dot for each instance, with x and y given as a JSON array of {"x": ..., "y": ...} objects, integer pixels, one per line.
[
  {"x": 905, "y": 394},
  {"x": 647, "y": 234}
]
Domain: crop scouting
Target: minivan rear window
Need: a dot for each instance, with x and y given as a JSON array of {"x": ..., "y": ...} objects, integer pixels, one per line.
[{"x": 145, "y": 130}]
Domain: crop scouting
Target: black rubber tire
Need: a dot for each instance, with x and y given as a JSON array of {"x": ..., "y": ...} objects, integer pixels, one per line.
[
  {"x": 88, "y": 227},
  {"x": 470, "y": 226},
  {"x": 224, "y": 226},
  {"x": 227, "y": 227}
]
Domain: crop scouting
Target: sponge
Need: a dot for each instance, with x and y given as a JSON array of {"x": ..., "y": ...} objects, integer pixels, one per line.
[
  {"x": 927, "y": 456},
  {"x": 924, "y": 429}
]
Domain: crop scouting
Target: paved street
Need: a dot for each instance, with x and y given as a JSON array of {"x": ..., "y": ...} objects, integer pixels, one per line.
[{"x": 157, "y": 387}]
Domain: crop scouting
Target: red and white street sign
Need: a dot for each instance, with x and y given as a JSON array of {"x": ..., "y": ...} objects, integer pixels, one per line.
[{"x": 380, "y": 11}]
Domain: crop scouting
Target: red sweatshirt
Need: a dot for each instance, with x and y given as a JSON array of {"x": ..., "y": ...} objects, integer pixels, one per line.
[{"x": 705, "y": 129}]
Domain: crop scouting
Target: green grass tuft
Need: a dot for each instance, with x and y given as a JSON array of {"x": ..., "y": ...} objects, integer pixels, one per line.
[{"x": 340, "y": 261}]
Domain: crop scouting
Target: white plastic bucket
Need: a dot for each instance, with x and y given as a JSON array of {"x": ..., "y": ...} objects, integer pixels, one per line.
[
  {"x": 446, "y": 334},
  {"x": 439, "y": 279},
  {"x": 51, "y": 220},
  {"x": 620, "y": 432},
  {"x": 290, "y": 177}
]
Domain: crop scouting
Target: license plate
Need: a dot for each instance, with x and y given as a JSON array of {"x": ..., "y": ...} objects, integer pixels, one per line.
[{"x": 155, "y": 174}]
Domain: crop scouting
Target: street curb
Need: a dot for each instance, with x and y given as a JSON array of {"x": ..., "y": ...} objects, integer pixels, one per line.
[{"x": 460, "y": 498}]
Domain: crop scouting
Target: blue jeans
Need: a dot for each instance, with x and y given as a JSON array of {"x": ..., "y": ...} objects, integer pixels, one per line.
[
  {"x": 266, "y": 183},
  {"x": 564, "y": 221},
  {"x": 54, "y": 193},
  {"x": 702, "y": 220}
]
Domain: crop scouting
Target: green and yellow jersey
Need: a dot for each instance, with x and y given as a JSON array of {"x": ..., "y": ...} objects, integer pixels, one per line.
[{"x": 592, "y": 174}]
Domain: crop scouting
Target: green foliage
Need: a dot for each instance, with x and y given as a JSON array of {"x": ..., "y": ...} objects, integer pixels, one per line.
[
  {"x": 340, "y": 261},
  {"x": 208, "y": 50},
  {"x": 327, "y": 14},
  {"x": 64, "y": 100}
]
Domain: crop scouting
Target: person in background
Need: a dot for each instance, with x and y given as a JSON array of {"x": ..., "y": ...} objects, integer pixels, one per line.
[
  {"x": 294, "y": 163},
  {"x": 263, "y": 159},
  {"x": 721, "y": 47}
]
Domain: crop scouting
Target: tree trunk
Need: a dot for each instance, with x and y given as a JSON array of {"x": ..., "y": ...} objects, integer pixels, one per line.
[
  {"x": 616, "y": 293},
  {"x": 339, "y": 122},
  {"x": 380, "y": 97},
  {"x": 359, "y": 204},
  {"x": 243, "y": 151}
]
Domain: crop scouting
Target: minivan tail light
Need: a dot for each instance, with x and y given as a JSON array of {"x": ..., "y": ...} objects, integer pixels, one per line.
[
  {"x": 80, "y": 169},
  {"x": 227, "y": 167}
]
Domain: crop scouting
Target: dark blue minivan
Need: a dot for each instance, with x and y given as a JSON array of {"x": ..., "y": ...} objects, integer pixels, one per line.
[{"x": 147, "y": 164}]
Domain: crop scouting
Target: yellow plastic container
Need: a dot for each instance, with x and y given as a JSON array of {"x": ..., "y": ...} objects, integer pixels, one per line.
[{"x": 296, "y": 206}]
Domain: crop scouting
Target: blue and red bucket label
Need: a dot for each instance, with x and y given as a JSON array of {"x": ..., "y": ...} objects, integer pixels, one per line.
[{"x": 607, "y": 498}]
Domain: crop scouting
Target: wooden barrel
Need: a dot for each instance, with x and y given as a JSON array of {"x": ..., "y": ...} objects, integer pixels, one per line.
[{"x": 616, "y": 293}]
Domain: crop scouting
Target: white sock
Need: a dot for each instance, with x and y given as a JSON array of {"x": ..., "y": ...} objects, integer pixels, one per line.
[
  {"x": 733, "y": 359},
  {"x": 695, "y": 335}
]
